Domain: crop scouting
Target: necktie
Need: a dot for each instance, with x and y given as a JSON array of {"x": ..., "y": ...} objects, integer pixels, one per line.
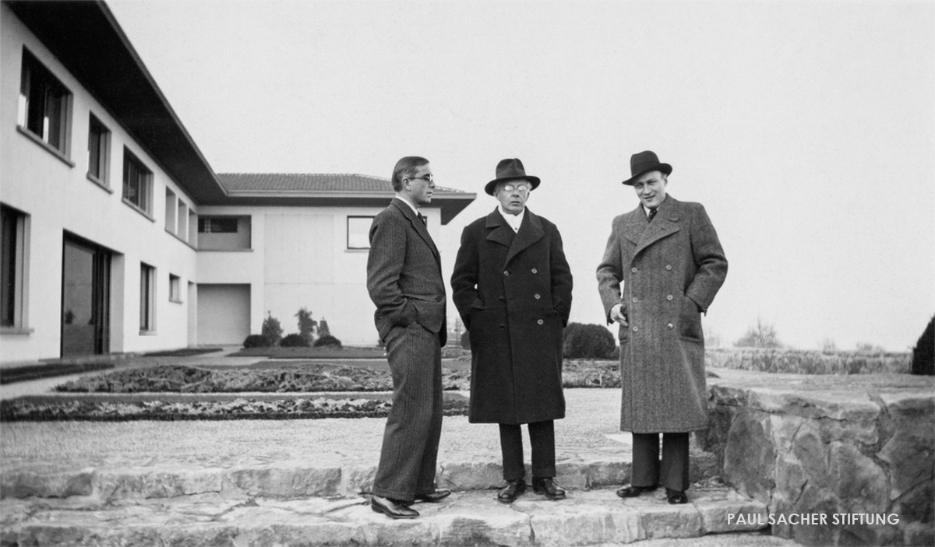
[
  {"x": 422, "y": 218},
  {"x": 652, "y": 213}
]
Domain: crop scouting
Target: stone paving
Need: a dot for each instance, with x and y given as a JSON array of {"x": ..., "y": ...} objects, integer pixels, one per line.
[{"x": 304, "y": 482}]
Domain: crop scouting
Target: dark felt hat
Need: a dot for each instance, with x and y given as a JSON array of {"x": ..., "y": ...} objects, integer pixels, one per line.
[
  {"x": 510, "y": 169},
  {"x": 645, "y": 162}
]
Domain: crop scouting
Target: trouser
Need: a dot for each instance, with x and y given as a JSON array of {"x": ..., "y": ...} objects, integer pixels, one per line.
[
  {"x": 647, "y": 470},
  {"x": 413, "y": 428},
  {"x": 542, "y": 439}
]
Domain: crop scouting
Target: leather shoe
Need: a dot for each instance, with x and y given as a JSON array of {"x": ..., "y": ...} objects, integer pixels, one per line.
[
  {"x": 547, "y": 487},
  {"x": 433, "y": 497},
  {"x": 392, "y": 508},
  {"x": 634, "y": 491},
  {"x": 675, "y": 497},
  {"x": 512, "y": 490}
]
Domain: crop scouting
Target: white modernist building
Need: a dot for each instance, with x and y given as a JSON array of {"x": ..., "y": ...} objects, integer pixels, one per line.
[{"x": 118, "y": 237}]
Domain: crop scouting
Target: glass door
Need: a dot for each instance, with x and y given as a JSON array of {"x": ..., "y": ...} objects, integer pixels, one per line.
[{"x": 85, "y": 299}]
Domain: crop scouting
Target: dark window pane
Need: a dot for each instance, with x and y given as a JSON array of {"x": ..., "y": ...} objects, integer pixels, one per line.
[{"x": 8, "y": 267}]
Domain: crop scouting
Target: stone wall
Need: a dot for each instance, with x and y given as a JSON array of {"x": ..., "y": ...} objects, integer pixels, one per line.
[{"x": 838, "y": 448}]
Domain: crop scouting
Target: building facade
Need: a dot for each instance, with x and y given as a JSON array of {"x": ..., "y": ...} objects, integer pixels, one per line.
[{"x": 118, "y": 236}]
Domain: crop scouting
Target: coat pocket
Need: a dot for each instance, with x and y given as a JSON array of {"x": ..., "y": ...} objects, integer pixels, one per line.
[{"x": 690, "y": 321}]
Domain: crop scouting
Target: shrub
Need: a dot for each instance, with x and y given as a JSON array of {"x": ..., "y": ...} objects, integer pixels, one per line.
[
  {"x": 306, "y": 325},
  {"x": 465, "y": 340},
  {"x": 272, "y": 330},
  {"x": 256, "y": 341},
  {"x": 327, "y": 341},
  {"x": 923, "y": 355},
  {"x": 294, "y": 341},
  {"x": 587, "y": 341},
  {"x": 323, "y": 329},
  {"x": 763, "y": 335}
]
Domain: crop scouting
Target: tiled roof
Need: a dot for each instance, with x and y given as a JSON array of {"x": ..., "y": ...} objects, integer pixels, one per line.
[{"x": 309, "y": 183}]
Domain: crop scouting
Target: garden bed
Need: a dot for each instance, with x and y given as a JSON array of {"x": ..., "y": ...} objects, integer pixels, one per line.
[
  {"x": 176, "y": 407},
  {"x": 48, "y": 370}
]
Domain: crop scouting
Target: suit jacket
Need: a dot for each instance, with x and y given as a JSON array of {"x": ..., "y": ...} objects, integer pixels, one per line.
[
  {"x": 670, "y": 268},
  {"x": 513, "y": 291},
  {"x": 404, "y": 273}
]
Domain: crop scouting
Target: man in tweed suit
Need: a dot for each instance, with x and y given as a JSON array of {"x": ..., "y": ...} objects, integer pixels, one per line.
[
  {"x": 667, "y": 256},
  {"x": 405, "y": 282}
]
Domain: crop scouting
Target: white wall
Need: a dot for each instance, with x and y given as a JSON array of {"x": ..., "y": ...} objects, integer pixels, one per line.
[
  {"x": 59, "y": 197},
  {"x": 300, "y": 258}
]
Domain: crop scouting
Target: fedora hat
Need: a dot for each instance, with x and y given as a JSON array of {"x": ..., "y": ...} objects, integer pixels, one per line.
[
  {"x": 510, "y": 169},
  {"x": 644, "y": 162}
]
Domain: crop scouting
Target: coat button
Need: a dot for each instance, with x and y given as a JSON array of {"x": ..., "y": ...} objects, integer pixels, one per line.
[
  {"x": 635, "y": 299},
  {"x": 669, "y": 297},
  {"x": 535, "y": 271},
  {"x": 537, "y": 297},
  {"x": 540, "y": 321},
  {"x": 635, "y": 328},
  {"x": 668, "y": 266},
  {"x": 670, "y": 326},
  {"x": 506, "y": 273},
  {"x": 502, "y": 327},
  {"x": 501, "y": 299},
  {"x": 634, "y": 270}
]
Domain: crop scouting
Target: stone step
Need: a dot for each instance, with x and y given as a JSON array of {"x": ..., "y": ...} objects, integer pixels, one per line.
[
  {"x": 327, "y": 474},
  {"x": 465, "y": 518}
]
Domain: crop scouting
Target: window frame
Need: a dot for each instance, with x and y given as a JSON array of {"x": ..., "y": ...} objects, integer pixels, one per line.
[
  {"x": 102, "y": 178},
  {"x": 36, "y": 83},
  {"x": 145, "y": 180},
  {"x": 175, "y": 288},
  {"x": 348, "y": 232},
  {"x": 209, "y": 221},
  {"x": 17, "y": 252},
  {"x": 147, "y": 298}
]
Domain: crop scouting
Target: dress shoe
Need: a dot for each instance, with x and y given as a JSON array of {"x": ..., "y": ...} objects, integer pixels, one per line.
[
  {"x": 392, "y": 508},
  {"x": 433, "y": 497},
  {"x": 547, "y": 487},
  {"x": 513, "y": 489},
  {"x": 634, "y": 491},
  {"x": 675, "y": 497}
]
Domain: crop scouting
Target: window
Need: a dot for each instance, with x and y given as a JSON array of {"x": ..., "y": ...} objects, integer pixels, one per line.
[
  {"x": 183, "y": 221},
  {"x": 175, "y": 288},
  {"x": 13, "y": 234},
  {"x": 137, "y": 182},
  {"x": 171, "y": 208},
  {"x": 98, "y": 151},
  {"x": 147, "y": 298},
  {"x": 358, "y": 232},
  {"x": 217, "y": 225},
  {"x": 43, "y": 104}
]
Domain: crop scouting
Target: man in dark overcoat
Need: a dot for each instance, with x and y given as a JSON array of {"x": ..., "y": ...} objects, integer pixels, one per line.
[
  {"x": 404, "y": 279},
  {"x": 667, "y": 257},
  {"x": 512, "y": 286}
]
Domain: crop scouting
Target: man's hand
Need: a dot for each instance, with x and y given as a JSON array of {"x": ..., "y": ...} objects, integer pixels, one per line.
[{"x": 616, "y": 314}]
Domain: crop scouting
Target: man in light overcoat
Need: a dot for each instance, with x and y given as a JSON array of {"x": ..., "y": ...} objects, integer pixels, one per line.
[
  {"x": 661, "y": 269},
  {"x": 512, "y": 286},
  {"x": 404, "y": 279}
]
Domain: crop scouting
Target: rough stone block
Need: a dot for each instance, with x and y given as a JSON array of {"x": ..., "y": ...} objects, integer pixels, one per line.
[
  {"x": 750, "y": 455},
  {"x": 913, "y": 440},
  {"x": 26, "y": 484},
  {"x": 721, "y": 516},
  {"x": 858, "y": 481},
  {"x": 478, "y": 522},
  {"x": 287, "y": 482},
  {"x": 607, "y": 473},
  {"x": 156, "y": 483},
  {"x": 357, "y": 479},
  {"x": 481, "y": 474}
]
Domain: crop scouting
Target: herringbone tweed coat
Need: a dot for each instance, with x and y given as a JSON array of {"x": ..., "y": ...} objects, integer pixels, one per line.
[
  {"x": 666, "y": 267},
  {"x": 513, "y": 291},
  {"x": 404, "y": 273}
]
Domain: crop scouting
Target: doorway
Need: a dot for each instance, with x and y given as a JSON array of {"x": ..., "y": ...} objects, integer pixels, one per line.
[{"x": 85, "y": 298}]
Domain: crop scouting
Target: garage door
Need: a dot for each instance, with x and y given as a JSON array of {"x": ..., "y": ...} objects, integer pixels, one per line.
[{"x": 223, "y": 314}]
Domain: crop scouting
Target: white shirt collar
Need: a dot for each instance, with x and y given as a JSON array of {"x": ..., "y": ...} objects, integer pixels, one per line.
[
  {"x": 515, "y": 221},
  {"x": 407, "y": 202}
]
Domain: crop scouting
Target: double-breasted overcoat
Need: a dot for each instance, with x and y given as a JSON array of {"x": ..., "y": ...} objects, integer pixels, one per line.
[
  {"x": 670, "y": 269},
  {"x": 513, "y": 291}
]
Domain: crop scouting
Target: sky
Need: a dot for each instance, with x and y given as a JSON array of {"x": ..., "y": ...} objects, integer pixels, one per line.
[{"x": 805, "y": 128}]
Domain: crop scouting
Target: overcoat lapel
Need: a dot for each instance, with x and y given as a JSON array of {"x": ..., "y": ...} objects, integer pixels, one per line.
[
  {"x": 530, "y": 231},
  {"x": 663, "y": 225},
  {"x": 500, "y": 232},
  {"x": 418, "y": 227}
]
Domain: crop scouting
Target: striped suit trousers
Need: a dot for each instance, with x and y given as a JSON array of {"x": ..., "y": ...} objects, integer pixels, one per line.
[{"x": 414, "y": 425}]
